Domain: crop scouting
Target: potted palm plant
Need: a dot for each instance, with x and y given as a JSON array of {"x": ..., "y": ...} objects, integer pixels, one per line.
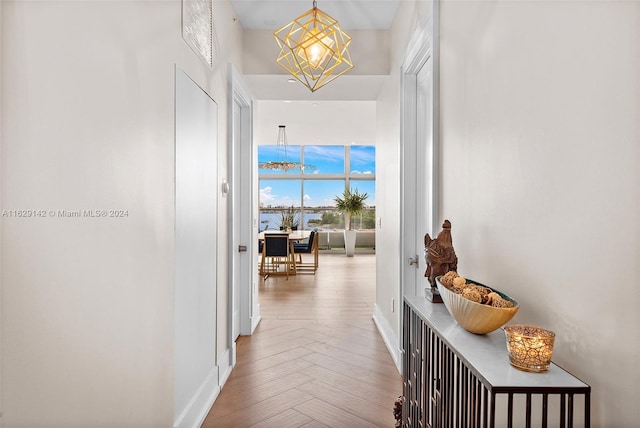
[{"x": 351, "y": 203}]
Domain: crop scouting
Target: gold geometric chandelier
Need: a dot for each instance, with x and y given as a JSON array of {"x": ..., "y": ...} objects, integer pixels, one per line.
[{"x": 314, "y": 49}]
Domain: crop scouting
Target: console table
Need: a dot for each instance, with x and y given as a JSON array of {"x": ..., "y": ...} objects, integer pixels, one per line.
[{"x": 453, "y": 378}]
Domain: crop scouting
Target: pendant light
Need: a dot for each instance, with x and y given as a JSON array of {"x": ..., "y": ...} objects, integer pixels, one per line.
[{"x": 314, "y": 49}]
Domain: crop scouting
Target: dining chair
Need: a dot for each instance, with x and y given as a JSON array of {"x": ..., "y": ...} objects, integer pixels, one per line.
[
  {"x": 277, "y": 251},
  {"x": 309, "y": 247}
]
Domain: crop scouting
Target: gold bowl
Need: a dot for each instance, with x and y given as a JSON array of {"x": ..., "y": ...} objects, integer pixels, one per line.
[{"x": 476, "y": 317}]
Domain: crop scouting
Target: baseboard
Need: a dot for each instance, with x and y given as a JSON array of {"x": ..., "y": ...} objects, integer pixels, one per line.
[
  {"x": 226, "y": 365},
  {"x": 255, "y": 320},
  {"x": 388, "y": 336},
  {"x": 202, "y": 402},
  {"x": 195, "y": 413}
]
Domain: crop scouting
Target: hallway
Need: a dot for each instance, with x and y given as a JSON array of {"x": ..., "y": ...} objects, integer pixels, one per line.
[{"x": 316, "y": 359}]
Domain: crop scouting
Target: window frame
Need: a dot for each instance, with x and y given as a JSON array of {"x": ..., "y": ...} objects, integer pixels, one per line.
[{"x": 302, "y": 177}]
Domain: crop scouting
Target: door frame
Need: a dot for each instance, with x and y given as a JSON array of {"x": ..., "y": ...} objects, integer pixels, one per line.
[
  {"x": 241, "y": 209},
  {"x": 423, "y": 45}
]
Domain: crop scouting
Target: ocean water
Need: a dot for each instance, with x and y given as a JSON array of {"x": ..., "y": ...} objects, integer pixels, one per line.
[{"x": 271, "y": 221}]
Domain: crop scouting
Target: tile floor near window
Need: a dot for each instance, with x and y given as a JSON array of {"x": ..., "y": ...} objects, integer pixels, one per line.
[{"x": 316, "y": 359}]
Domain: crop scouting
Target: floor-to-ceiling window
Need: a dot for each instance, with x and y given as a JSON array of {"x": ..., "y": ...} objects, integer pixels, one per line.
[{"x": 308, "y": 189}]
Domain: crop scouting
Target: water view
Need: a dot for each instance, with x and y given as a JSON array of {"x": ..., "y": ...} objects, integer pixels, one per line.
[
  {"x": 271, "y": 221},
  {"x": 326, "y": 219}
]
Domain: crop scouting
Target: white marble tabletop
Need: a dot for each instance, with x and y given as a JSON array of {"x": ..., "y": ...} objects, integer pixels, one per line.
[{"x": 487, "y": 354}]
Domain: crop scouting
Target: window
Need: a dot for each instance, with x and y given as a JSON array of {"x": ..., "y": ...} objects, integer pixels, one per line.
[
  {"x": 319, "y": 204},
  {"x": 363, "y": 160},
  {"x": 324, "y": 159},
  {"x": 366, "y": 220},
  {"x": 328, "y": 171},
  {"x": 276, "y": 196}
]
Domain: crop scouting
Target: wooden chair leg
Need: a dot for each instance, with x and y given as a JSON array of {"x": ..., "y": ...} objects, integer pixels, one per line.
[
  {"x": 315, "y": 257},
  {"x": 293, "y": 258}
]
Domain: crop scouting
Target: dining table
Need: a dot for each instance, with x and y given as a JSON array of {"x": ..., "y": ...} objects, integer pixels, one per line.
[{"x": 294, "y": 236}]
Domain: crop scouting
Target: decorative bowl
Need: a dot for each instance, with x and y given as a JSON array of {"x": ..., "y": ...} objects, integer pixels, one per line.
[{"x": 476, "y": 317}]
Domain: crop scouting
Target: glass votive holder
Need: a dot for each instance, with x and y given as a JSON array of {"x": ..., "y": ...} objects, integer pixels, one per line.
[{"x": 529, "y": 347}]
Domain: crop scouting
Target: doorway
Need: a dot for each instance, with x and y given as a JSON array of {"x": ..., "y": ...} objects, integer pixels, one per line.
[
  {"x": 419, "y": 155},
  {"x": 243, "y": 309},
  {"x": 195, "y": 316}
]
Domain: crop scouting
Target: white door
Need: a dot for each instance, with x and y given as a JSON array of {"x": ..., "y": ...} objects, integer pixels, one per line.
[
  {"x": 418, "y": 175},
  {"x": 196, "y": 235},
  {"x": 419, "y": 139},
  {"x": 243, "y": 309},
  {"x": 237, "y": 254},
  {"x": 424, "y": 169}
]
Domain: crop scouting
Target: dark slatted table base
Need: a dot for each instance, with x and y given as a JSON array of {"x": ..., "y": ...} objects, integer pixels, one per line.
[{"x": 440, "y": 390}]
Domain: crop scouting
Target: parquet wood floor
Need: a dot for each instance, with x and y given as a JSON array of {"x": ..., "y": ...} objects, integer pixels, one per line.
[{"x": 316, "y": 359}]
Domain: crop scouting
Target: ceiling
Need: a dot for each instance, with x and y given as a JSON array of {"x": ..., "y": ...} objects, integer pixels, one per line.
[
  {"x": 311, "y": 118},
  {"x": 360, "y": 84},
  {"x": 351, "y": 14},
  {"x": 320, "y": 122},
  {"x": 345, "y": 88}
]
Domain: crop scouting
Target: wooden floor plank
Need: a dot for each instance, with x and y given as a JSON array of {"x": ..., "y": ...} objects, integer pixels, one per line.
[
  {"x": 245, "y": 368},
  {"x": 287, "y": 419},
  {"x": 332, "y": 416},
  {"x": 375, "y": 390},
  {"x": 357, "y": 406},
  {"x": 316, "y": 359},
  {"x": 314, "y": 424},
  {"x": 239, "y": 401},
  {"x": 252, "y": 415},
  {"x": 258, "y": 378},
  {"x": 349, "y": 357}
]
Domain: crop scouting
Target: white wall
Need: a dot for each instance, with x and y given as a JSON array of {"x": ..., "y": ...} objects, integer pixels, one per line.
[
  {"x": 540, "y": 158},
  {"x": 540, "y": 169},
  {"x": 88, "y": 123},
  {"x": 1, "y": 123},
  {"x": 316, "y": 122},
  {"x": 388, "y": 177}
]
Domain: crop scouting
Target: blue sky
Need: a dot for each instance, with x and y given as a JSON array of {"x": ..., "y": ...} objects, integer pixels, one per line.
[
  {"x": 363, "y": 160},
  {"x": 326, "y": 160},
  {"x": 317, "y": 192}
]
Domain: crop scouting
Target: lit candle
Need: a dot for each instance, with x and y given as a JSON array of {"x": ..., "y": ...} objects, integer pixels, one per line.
[{"x": 530, "y": 348}]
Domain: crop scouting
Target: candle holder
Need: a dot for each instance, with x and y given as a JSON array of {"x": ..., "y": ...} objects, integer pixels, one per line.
[{"x": 529, "y": 347}]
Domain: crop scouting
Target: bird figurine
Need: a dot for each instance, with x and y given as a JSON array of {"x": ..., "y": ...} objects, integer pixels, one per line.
[{"x": 439, "y": 255}]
